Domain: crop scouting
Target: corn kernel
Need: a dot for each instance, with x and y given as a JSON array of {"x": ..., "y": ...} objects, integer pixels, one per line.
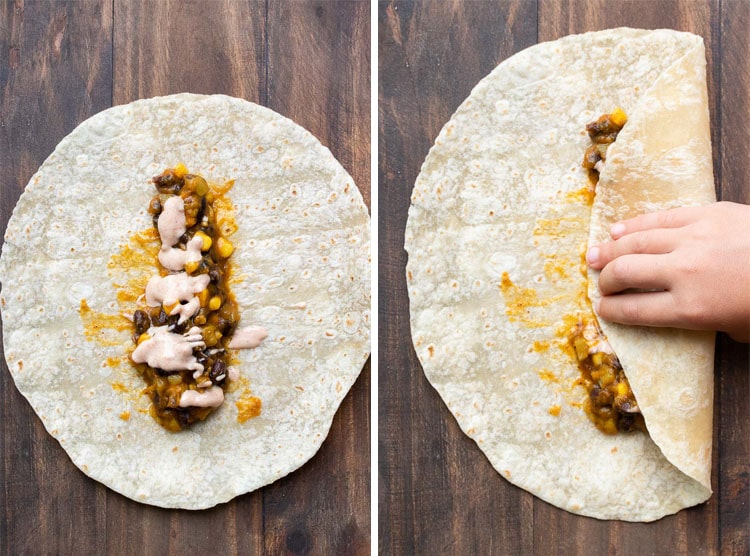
[
  {"x": 215, "y": 303},
  {"x": 606, "y": 379},
  {"x": 142, "y": 338},
  {"x": 581, "y": 347},
  {"x": 180, "y": 170},
  {"x": 224, "y": 247},
  {"x": 597, "y": 358},
  {"x": 609, "y": 427},
  {"x": 618, "y": 117},
  {"x": 206, "y": 241},
  {"x": 191, "y": 266},
  {"x": 200, "y": 320},
  {"x": 203, "y": 297},
  {"x": 621, "y": 389}
]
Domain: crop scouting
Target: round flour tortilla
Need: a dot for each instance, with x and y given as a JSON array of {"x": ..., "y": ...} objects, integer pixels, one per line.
[
  {"x": 499, "y": 224},
  {"x": 301, "y": 270}
]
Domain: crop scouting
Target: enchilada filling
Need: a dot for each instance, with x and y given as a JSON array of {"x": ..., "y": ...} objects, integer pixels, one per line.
[
  {"x": 610, "y": 403},
  {"x": 189, "y": 321},
  {"x": 603, "y": 133}
]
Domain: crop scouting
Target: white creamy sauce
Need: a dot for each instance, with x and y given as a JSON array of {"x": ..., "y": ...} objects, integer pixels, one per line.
[
  {"x": 168, "y": 351},
  {"x": 213, "y": 397},
  {"x": 174, "y": 288},
  {"x": 171, "y": 224},
  {"x": 248, "y": 337},
  {"x": 174, "y": 258},
  {"x": 596, "y": 340},
  {"x": 186, "y": 310}
]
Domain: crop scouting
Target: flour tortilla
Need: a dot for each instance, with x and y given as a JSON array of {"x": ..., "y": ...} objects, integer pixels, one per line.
[
  {"x": 496, "y": 235},
  {"x": 302, "y": 260}
]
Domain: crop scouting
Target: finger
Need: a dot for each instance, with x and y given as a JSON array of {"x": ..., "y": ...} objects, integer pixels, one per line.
[
  {"x": 647, "y": 242},
  {"x": 646, "y": 309},
  {"x": 672, "y": 218},
  {"x": 647, "y": 272}
]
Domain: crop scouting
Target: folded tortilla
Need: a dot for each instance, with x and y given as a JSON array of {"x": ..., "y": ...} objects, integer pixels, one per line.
[
  {"x": 500, "y": 221},
  {"x": 301, "y": 271}
]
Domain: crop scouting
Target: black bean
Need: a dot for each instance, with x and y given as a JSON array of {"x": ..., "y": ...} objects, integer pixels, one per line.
[
  {"x": 161, "y": 319},
  {"x": 154, "y": 207},
  {"x": 218, "y": 373},
  {"x": 168, "y": 182},
  {"x": 201, "y": 210},
  {"x": 591, "y": 157},
  {"x": 214, "y": 272},
  {"x": 184, "y": 417},
  {"x": 141, "y": 321},
  {"x": 625, "y": 422},
  {"x": 225, "y": 326}
]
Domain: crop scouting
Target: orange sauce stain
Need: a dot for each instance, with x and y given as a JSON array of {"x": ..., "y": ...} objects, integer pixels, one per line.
[
  {"x": 584, "y": 195},
  {"x": 248, "y": 406},
  {"x": 548, "y": 376},
  {"x": 519, "y": 301},
  {"x": 99, "y": 327},
  {"x": 558, "y": 227},
  {"x": 119, "y": 387},
  {"x": 555, "y": 268},
  {"x": 554, "y": 410},
  {"x": 224, "y": 208},
  {"x": 113, "y": 361},
  {"x": 540, "y": 347},
  {"x": 125, "y": 415}
]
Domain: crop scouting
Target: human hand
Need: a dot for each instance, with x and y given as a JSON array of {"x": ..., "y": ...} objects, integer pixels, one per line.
[{"x": 697, "y": 259}]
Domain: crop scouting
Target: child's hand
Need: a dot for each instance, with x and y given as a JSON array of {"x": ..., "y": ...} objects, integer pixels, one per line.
[{"x": 697, "y": 257}]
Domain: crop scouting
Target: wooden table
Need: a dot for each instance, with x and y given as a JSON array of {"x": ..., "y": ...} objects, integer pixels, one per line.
[
  {"x": 438, "y": 493},
  {"x": 61, "y": 62}
]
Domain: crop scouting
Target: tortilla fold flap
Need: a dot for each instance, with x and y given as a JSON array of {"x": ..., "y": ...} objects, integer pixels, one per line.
[
  {"x": 500, "y": 220},
  {"x": 661, "y": 160}
]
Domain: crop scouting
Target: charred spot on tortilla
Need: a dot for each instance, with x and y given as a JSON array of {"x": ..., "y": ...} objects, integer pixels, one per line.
[
  {"x": 189, "y": 322},
  {"x": 602, "y": 132}
]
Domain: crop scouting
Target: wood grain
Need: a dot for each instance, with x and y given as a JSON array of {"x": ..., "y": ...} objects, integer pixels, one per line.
[
  {"x": 437, "y": 491},
  {"x": 61, "y": 62}
]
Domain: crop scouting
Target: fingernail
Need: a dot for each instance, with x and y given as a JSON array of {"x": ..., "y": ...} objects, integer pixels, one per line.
[
  {"x": 593, "y": 255},
  {"x": 597, "y": 302},
  {"x": 617, "y": 230}
]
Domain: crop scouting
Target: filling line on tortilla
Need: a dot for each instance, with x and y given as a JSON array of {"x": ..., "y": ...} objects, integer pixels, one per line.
[
  {"x": 188, "y": 320},
  {"x": 610, "y": 404}
]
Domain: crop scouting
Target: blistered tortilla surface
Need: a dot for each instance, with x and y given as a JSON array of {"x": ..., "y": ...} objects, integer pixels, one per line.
[
  {"x": 301, "y": 270},
  {"x": 498, "y": 227}
]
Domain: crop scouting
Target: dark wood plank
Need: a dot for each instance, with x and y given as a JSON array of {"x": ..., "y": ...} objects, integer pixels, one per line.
[
  {"x": 318, "y": 75},
  {"x": 66, "y": 61},
  {"x": 49, "y": 56},
  {"x": 170, "y": 46},
  {"x": 437, "y": 491},
  {"x": 429, "y": 471},
  {"x": 734, "y": 368}
]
